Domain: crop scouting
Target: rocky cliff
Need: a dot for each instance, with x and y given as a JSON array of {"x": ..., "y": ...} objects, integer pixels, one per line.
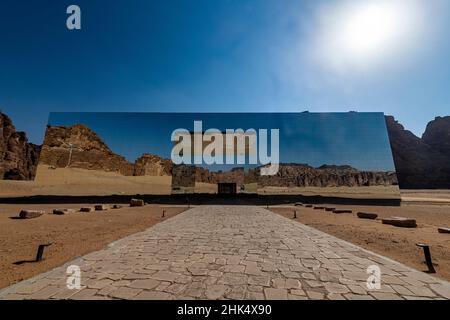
[
  {"x": 302, "y": 175},
  {"x": 18, "y": 157},
  {"x": 235, "y": 175},
  {"x": 421, "y": 163},
  {"x": 78, "y": 146},
  {"x": 152, "y": 165},
  {"x": 437, "y": 135}
]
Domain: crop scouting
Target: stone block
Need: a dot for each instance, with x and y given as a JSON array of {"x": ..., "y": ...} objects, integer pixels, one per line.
[
  {"x": 137, "y": 203},
  {"x": 339, "y": 211},
  {"x": 400, "y": 222},
  {"x": 367, "y": 215},
  {"x": 62, "y": 211},
  {"x": 30, "y": 214}
]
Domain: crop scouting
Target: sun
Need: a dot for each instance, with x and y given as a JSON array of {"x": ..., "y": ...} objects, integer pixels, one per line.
[
  {"x": 358, "y": 33},
  {"x": 371, "y": 28}
]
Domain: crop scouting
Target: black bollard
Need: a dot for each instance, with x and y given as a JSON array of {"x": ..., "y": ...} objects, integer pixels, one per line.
[
  {"x": 40, "y": 251},
  {"x": 427, "y": 253},
  {"x": 295, "y": 214},
  {"x": 164, "y": 211}
]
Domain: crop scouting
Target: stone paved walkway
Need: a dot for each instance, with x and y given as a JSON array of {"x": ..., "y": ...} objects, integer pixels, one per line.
[{"x": 231, "y": 252}]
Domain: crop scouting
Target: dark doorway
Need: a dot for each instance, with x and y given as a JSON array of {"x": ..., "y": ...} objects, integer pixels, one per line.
[{"x": 227, "y": 188}]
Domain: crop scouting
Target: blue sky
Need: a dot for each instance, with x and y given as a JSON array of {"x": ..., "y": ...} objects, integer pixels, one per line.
[
  {"x": 220, "y": 56},
  {"x": 356, "y": 139}
]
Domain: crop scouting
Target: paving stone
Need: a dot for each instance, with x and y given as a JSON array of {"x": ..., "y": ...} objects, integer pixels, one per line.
[
  {"x": 13, "y": 296},
  {"x": 99, "y": 284},
  {"x": 254, "y": 296},
  {"x": 165, "y": 276},
  {"x": 416, "y": 298},
  {"x": 144, "y": 284},
  {"x": 125, "y": 293},
  {"x": 30, "y": 288},
  {"x": 298, "y": 292},
  {"x": 357, "y": 289},
  {"x": 152, "y": 295},
  {"x": 335, "y": 296},
  {"x": 252, "y": 269},
  {"x": 193, "y": 292},
  {"x": 401, "y": 290},
  {"x": 259, "y": 280},
  {"x": 234, "y": 268},
  {"x": 335, "y": 288},
  {"x": 421, "y": 291},
  {"x": 308, "y": 276},
  {"x": 121, "y": 283},
  {"x": 85, "y": 294},
  {"x": 441, "y": 289},
  {"x": 351, "y": 296},
  {"x": 106, "y": 290},
  {"x": 296, "y": 297},
  {"x": 236, "y": 293},
  {"x": 293, "y": 284},
  {"x": 215, "y": 292},
  {"x": 255, "y": 288},
  {"x": 314, "y": 284},
  {"x": 44, "y": 293},
  {"x": 315, "y": 295},
  {"x": 385, "y": 296},
  {"x": 275, "y": 294}
]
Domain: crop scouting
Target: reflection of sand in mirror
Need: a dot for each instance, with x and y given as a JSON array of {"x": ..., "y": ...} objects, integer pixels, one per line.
[
  {"x": 74, "y": 181},
  {"x": 208, "y": 188},
  {"x": 384, "y": 192}
]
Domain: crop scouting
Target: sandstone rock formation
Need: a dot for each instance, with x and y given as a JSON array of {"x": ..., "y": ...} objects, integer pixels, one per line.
[
  {"x": 18, "y": 157},
  {"x": 152, "y": 165},
  {"x": 78, "y": 146},
  {"x": 421, "y": 163},
  {"x": 437, "y": 135},
  {"x": 302, "y": 175}
]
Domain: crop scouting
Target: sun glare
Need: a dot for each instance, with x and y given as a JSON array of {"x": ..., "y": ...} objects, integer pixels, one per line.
[
  {"x": 370, "y": 28},
  {"x": 358, "y": 33}
]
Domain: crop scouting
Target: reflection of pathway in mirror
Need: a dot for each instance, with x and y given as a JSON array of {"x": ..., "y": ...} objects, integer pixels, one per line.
[{"x": 236, "y": 252}]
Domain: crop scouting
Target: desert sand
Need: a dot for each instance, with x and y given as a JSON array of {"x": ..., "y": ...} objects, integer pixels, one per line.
[
  {"x": 72, "y": 235},
  {"x": 83, "y": 182},
  {"x": 426, "y": 196},
  {"x": 393, "y": 242},
  {"x": 372, "y": 192}
]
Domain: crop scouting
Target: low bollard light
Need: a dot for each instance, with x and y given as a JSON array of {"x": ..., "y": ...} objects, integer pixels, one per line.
[{"x": 427, "y": 253}]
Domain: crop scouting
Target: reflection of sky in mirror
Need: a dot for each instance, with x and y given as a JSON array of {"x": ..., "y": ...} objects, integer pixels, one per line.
[{"x": 356, "y": 139}]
